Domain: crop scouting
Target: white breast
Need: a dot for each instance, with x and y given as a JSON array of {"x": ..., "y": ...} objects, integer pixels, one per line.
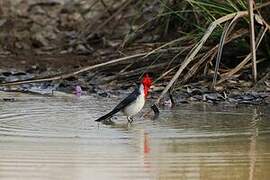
[{"x": 136, "y": 106}]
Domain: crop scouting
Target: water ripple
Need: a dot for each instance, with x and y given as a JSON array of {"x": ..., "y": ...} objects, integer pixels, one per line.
[{"x": 57, "y": 138}]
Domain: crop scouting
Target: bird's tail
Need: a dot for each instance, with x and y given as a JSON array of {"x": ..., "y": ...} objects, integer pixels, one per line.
[{"x": 109, "y": 115}]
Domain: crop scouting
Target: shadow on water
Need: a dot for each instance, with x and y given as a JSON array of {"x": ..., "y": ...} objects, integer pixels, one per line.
[{"x": 57, "y": 138}]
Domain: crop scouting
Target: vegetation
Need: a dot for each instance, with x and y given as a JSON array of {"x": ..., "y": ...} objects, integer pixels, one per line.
[
  {"x": 206, "y": 41},
  {"x": 186, "y": 38}
]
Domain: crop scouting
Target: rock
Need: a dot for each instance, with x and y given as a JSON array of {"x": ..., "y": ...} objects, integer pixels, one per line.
[
  {"x": 232, "y": 100},
  {"x": 2, "y": 22},
  {"x": 31, "y": 69},
  {"x": 246, "y": 83},
  {"x": 19, "y": 74},
  {"x": 81, "y": 49},
  {"x": 196, "y": 98},
  {"x": 103, "y": 94},
  {"x": 219, "y": 88},
  {"x": 194, "y": 91},
  {"x": 267, "y": 99},
  {"x": 2, "y": 78},
  {"x": 7, "y": 73},
  {"x": 213, "y": 97},
  {"x": 267, "y": 83},
  {"x": 247, "y": 97},
  {"x": 11, "y": 78},
  {"x": 9, "y": 99}
]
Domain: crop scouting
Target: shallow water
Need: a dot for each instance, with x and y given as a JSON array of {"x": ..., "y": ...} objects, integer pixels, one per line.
[{"x": 57, "y": 138}]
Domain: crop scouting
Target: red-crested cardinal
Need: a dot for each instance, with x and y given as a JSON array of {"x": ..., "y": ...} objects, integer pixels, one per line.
[{"x": 133, "y": 103}]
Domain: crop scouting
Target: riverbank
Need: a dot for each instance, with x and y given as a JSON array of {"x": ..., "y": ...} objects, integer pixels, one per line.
[
  {"x": 105, "y": 46},
  {"x": 92, "y": 82}
]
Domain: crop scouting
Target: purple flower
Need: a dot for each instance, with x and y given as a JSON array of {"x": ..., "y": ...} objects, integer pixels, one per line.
[{"x": 78, "y": 91}]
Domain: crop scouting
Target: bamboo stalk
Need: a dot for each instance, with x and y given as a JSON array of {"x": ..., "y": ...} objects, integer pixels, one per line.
[{"x": 252, "y": 39}]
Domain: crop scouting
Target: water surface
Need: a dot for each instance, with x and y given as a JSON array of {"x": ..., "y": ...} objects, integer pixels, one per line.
[{"x": 57, "y": 138}]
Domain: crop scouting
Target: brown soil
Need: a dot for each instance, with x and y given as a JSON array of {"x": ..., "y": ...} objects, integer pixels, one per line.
[{"x": 54, "y": 63}]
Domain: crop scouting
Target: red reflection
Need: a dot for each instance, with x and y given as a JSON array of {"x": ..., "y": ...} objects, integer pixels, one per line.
[{"x": 146, "y": 147}]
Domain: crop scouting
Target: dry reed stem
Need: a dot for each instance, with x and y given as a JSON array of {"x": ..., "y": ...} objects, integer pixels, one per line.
[
  {"x": 106, "y": 7},
  {"x": 133, "y": 72},
  {"x": 124, "y": 5},
  {"x": 211, "y": 53},
  {"x": 261, "y": 21},
  {"x": 197, "y": 48},
  {"x": 228, "y": 27},
  {"x": 64, "y": 76},
  {"x": 252, "y": 39},
  {"x": 164, "y": 74},
  {"x": 225, "y": 76},
  {"x": 163, "y": 46}
]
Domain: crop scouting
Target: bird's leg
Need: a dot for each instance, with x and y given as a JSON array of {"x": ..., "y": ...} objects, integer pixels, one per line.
[{"x": 130, "y": 119}]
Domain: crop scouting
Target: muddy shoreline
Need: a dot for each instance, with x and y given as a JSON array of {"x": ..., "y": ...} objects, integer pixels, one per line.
[
  {"x": 56, "y": 37},
  {"x": 16, "y": 68}
]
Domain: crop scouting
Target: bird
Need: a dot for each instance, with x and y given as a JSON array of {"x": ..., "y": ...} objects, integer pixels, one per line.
[{"x": 134, "y": 102}]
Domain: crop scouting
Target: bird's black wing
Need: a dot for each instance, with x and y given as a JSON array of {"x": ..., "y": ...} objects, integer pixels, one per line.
[
  {"x": 128, "y": 100},
  {"x": 125, "y": 102}
]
